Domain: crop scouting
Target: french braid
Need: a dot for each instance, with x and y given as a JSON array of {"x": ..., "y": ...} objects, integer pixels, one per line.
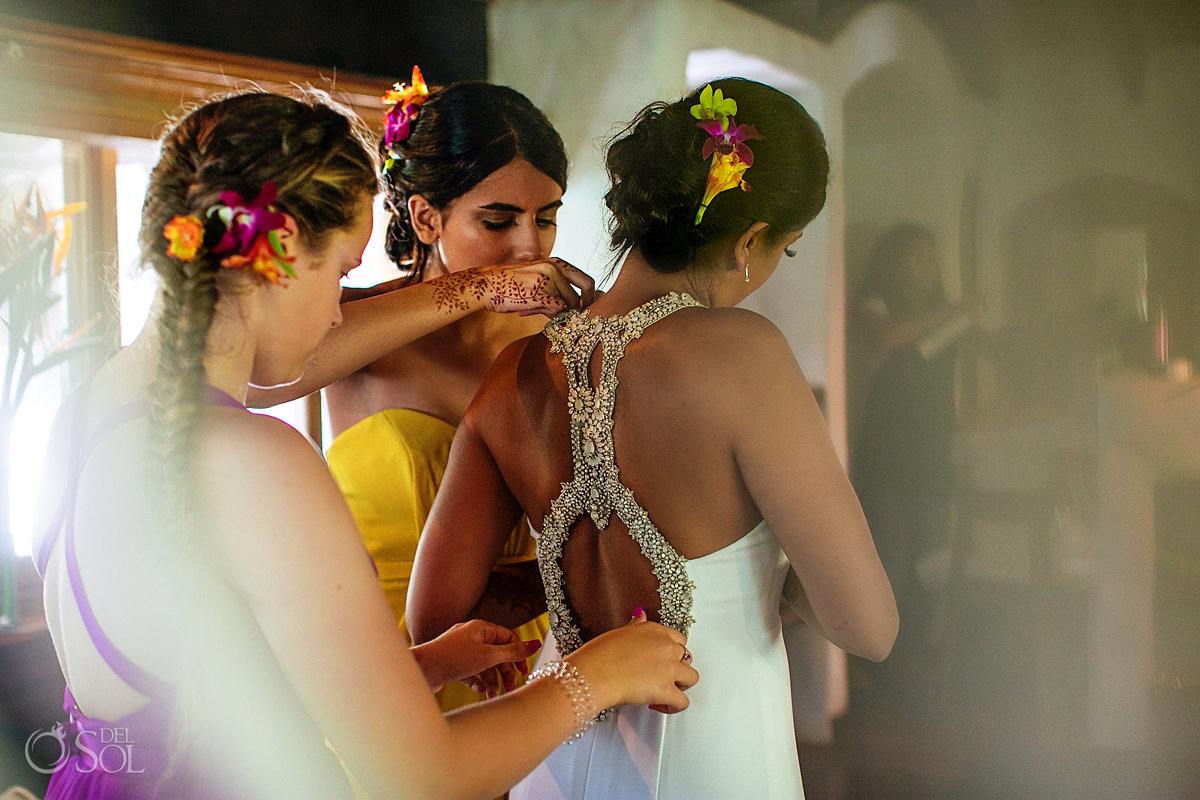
[{"x": 320, "y": 160}]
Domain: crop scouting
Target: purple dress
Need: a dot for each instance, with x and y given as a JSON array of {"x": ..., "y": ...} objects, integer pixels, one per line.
[{"x": 125, "y": 757}]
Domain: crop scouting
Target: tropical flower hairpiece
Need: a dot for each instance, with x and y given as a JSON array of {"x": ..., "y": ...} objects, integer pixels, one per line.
[
  {"x": 249, "y": 233},
  {"x": 404, "y": 101},
  {"x": 731, "y": 156}
]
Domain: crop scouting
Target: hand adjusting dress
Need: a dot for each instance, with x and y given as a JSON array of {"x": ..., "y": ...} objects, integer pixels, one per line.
[{"x": 736, "y": 739}]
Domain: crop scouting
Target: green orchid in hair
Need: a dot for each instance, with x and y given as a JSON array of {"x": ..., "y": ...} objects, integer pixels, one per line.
[{"x": 714, "y": 105}]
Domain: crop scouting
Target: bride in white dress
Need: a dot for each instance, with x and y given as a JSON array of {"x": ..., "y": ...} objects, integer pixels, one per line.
[{"x": 673, "y": 453}]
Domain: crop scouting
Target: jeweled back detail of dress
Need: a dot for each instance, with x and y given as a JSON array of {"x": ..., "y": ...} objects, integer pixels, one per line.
[{"x": 596, "y": 488}]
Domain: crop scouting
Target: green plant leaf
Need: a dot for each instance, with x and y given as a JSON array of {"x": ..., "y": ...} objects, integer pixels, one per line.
[
  {"x": 25, "y": 268},
  {"x": 58, "y": 357}
]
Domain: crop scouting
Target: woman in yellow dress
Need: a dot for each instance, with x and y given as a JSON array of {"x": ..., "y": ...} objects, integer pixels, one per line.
[{"x": 474, "y": 175}]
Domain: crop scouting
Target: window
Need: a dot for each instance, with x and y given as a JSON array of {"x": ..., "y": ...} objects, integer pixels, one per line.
[
  {"x": 31, "y": 163},
  {"x": 79, "y": 113}
]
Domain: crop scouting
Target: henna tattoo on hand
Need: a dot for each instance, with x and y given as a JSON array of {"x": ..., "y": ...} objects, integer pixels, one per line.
[
  {"x": 507, "y": 291},
  {"x": 495, "y": 290},
  {"x": 450, "y": 292}
]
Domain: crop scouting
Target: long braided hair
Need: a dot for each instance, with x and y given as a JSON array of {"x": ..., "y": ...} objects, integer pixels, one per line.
[{"x": 321, "y": 160}]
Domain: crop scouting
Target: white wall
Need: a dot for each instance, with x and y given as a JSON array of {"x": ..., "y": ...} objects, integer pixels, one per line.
[{"x": 592, "y": 66}]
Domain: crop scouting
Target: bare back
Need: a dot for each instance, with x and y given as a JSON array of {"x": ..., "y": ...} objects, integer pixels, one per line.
[
  {"x": 714, "y": 430},
  {"x": 125, "y": 602},
  {"x": 671, "y": 450}
]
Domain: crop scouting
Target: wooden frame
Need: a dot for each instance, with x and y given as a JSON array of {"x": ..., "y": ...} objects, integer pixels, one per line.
[{"x": 58, "y": 81}]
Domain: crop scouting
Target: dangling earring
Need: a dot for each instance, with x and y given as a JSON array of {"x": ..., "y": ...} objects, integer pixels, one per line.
[{"x": 747, "y": 271}]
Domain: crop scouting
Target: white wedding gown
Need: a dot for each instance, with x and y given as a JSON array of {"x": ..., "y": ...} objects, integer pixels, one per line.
[{"x": 736, "y": 739}]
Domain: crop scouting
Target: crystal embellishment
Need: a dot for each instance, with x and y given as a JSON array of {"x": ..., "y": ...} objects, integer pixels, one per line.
[{"x": 596, "y": 488}]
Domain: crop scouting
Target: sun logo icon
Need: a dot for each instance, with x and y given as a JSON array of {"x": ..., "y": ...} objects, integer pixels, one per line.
[{"x": 59, "y": 734}]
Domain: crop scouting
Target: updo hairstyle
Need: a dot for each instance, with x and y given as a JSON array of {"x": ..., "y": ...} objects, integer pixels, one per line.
[
  {"x": 658, "y": 176},
  {"x": 462, "y": 134}
]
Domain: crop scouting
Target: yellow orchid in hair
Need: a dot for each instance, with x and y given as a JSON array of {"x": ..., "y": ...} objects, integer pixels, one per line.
[
  {"x": 714, "y": 105},
  {"x": 725, "y": 173}
]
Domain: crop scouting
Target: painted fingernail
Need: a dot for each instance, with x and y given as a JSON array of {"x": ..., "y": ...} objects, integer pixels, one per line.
[
  {"x": 638, "y": 612},
  {"x": 532, "y": 645}
]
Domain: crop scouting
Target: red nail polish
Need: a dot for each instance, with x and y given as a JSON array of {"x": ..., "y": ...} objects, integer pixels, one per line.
[
  {"x": 532, "y": 645},
  {"x": 637, "y": 612}
]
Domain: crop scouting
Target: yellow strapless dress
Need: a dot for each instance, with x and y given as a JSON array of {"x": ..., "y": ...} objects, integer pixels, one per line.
[{"x": 389, "y": 467}]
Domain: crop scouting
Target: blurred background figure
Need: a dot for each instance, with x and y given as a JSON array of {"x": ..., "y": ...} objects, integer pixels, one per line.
[{"x": 906, "y": 333}]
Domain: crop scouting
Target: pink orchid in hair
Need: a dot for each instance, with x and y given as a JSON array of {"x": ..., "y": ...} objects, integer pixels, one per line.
[
  {"x": 245, "y": 221},
  {"x": 404, "y": 103},
  {"x": 728, "y": 142},
  {"x": 252, "y": 235}
]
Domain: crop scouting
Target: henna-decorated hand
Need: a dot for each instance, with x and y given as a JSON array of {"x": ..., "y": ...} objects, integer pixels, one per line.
[{"x": 547, "y": 286}]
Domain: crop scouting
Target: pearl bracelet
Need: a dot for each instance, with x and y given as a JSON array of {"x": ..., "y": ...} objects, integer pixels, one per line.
[{"x": 577, "y": 688}]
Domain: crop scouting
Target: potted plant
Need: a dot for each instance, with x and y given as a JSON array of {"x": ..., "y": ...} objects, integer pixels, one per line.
[{"x": 33, "y": 249}]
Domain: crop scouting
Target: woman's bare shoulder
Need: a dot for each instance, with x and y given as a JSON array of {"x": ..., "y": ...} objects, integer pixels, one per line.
[
  {"x": 733, "y": 343},
  {"x": 251, "y": 435},
  {"x": 269, "y": 501},
  {"x": 513, "y": 363},
  {"x": 253, "y": 460},
  {"x": 731, "y": 323}
]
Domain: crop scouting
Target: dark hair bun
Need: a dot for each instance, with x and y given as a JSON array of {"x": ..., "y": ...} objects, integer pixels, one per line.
[
  {"x": 653, "y": 181},
  {"x": 658, "y": 175}
]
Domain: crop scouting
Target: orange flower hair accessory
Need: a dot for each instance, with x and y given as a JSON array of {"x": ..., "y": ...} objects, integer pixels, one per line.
[
  {"x": 731, "y": 156},
  {"x": 249, "y": 232},
  {"x": 186, "y": 235},
  {"x": 266, "y": 258},
  {"x": 404, "y": 102}
]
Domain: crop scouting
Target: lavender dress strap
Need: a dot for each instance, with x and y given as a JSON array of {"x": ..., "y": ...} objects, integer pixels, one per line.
[
  {"x": 129, "y": 672},
  {"x": 212, "y": 395},
  {"x": 50, "y": 535},
  {"x": 137, "y": 678}
]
